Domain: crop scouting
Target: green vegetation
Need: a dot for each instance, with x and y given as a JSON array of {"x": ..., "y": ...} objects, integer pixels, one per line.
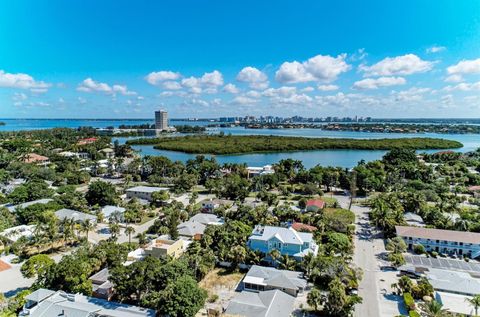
[{"x": 218, "y": 144}]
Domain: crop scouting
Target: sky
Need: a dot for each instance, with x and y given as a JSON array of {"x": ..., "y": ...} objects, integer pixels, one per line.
[{"x": 126, "y": 59}]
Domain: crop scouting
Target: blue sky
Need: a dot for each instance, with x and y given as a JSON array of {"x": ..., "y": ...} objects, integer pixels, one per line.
[{"x": 125, "y": 59}]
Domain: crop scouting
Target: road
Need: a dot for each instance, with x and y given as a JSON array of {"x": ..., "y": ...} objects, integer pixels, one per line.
[{"x": 375, "y": 285}]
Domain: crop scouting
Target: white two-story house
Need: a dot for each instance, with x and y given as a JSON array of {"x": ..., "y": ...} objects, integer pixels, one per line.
[{"x": 441, "y": 241}]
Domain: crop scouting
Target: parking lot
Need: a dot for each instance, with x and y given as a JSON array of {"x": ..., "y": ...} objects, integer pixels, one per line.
[{"x": 442, "y": 263}]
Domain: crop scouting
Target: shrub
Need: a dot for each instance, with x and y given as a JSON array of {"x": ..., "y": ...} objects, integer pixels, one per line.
[
  {"x": 418, "y": 249},
  {"x": 434, "y": 254},
  {"x": 413, "y": 313},
  {"x": 409, "y": 302},
  {"x": 213, "y": 298}
]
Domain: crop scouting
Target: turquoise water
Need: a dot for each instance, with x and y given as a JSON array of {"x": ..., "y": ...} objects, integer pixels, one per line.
[{"x": 343, "y": 158}]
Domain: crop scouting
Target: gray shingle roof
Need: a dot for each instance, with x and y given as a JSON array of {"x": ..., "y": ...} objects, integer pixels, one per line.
[
  {"x": 272, "y": 303},
  {"x": 55, "y": 303},
  {"x": 191, "y": 228},
  {"x": 73, "y": 214},
  {"x": 205, "y": 218},
  {"x": 278, "y": 278}
]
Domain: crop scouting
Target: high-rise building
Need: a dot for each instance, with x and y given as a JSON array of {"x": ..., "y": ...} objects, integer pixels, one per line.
[{"x": 161, "y": 120}]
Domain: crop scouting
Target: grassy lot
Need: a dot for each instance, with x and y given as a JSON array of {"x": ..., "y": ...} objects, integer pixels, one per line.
[{"x": 218, "y": 281}]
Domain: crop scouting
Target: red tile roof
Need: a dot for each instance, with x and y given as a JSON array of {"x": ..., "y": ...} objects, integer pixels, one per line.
[
  {"x": 87, "y": 141},
  {"x": 298, "y": 226},
  {"x": 35, "y": 158},
  {"x": 474, "y": 188},
  {"x": 316, "y": 202},
  {"x": 4, "y": 266}
]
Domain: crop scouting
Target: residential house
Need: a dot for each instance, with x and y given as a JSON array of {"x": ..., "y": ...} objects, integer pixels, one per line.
[
  {"x": 441, "y": 241},
  {"x": 14, "y": 233},
  {"x": 87, "y": 141},
  {"x": 108, "y": 152},
  {"x": 314, "y": 205},
  {"x": 143, "y": 192},
  {"x": 47, "y": 303},
  {"x": 475, "y": 190},
  {"x": 287, "y": 241},
  {"x": 10, "y": 186},
  {"x": 196, "y": 225},
  {"x": 77, "y": 216},
  {"x": 260, "y": 278},
  {"x": 101, "y": 286},
  {"x": 107, "y": 211},
  {"x": 413, "y": 219},
  {"x": 33, "y": 158},
  {"x": 302, "y": 227},
  {"x": 162, "y": 248},
  {"x": 453, "y": 289},
  {"x": 13, "y": 208},
  {"x": 209, "y": 205},
  {"x": 258, "y": 171},
  {"x": 273, "y": 303}
]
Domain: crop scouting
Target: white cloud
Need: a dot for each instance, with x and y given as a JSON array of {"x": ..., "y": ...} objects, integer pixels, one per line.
[
  {"x": 82, "y": 100},
  {"x": 308, "y": 89},
  {"x": 171, "y": 85},
  {"x": 154, "y": 78},
  {"x": 19, "y": 96},
  {"x": 122, "y": 89},
  {"x": 465, "y": 67},
  {"x": 412, "y": 94},
  {"x": 454, "y": 78},
  {"x": 327, "y": 87},
  {"x": 243, "y": 100},
  {"x": 22, "y": 81},
  {"x": 253, "y": 94},
  {"x": 208, "y": 80},
  {"x": 282, "y": 91},
  {"x": 322, "y": 68},
  {"x": 464, "y": 87},
  {"x": 375, "y": 83},
  {"x": 255, "y": 78},
  {"x": 400, "y": 65},
  {"x": 89, "y": 85},
  {"x": 447, "y": 100},
  {"x": 214, "y": 78},
  {"x": 231, "y": 88},
  {"x": 435, "y": 49}
]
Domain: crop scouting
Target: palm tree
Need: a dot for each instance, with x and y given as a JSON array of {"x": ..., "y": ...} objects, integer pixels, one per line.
[
  {"x": 274, "y": 255},
  {"x": 87, "y": 225},
  {"x": 287, "y": 263},
  {"x": 128, "y": 231},
  {"x": 434, "y": 309},
  {"x": 142, "y": 238},
  {"x": 114, "y": 230},
  {"x": 475, "y": 302}
]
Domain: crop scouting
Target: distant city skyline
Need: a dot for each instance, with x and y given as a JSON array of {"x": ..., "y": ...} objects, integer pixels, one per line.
[{"x": 90, "y": 59}]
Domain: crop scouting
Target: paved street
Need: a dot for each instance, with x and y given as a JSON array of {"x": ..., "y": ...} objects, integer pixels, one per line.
[{"x": 375, "y": 285}]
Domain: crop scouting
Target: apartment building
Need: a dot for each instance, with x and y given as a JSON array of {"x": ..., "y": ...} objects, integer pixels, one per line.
[{"x": 442, "y": 241}]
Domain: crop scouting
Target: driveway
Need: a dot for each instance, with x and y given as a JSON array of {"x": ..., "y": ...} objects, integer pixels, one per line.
[{"x": 374, "y": 287}]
